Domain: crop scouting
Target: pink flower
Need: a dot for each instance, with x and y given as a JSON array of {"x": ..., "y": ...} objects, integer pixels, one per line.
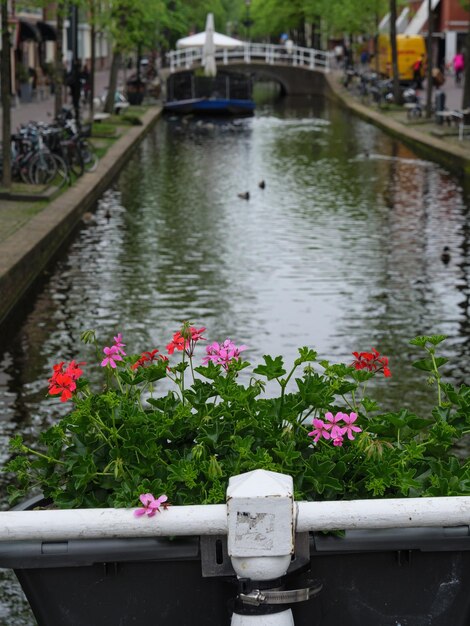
[
  {"x": 112, "y": 355},
  {"x": 223, "y": 354},
  {"x": 338, "y": 441},
  {"x": 336, "y": 431},
  {"x": 119, "y": 345},
  {"x": 349, "y": 428},
  {"x": 321, "y": 430},
  {"x": 151, "y": 505}
]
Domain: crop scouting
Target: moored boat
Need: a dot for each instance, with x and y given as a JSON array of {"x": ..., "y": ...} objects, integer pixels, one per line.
[{"x": 225, "y": 94}]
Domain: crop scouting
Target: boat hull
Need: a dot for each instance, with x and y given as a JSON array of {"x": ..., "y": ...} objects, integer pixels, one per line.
[{"x": 211, "y": 106}]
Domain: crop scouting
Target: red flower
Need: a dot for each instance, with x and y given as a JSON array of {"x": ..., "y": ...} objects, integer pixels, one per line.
[
  {"x": 371, "y": 361},
  {"x": 177, "y": 343},
  {"x": 148, "y": 357},
  {"x": 186, "y": 339},
  {"x": 63, "y": 382}
]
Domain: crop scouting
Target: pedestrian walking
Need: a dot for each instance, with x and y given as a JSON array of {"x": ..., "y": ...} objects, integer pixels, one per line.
[
  {"x": 85, "y": 78},
  {"x": 418, "y": 72},
  {"x": 41, "y": 83},
  {"x": 458, "y": 63}
]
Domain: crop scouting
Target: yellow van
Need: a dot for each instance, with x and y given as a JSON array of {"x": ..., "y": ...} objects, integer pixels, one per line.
[{"x": 410, "y": 48}]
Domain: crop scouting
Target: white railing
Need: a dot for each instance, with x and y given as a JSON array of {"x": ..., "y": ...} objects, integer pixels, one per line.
[
  {"x": 271, "y": 54},
  {"x": 260, "y": 520},
  {"x": 211, "y": 519}
]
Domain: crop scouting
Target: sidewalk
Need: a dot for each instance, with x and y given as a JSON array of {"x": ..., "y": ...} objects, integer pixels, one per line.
[{"x": 43, "y": 111}]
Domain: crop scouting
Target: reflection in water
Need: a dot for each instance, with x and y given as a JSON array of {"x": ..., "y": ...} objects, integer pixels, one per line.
[{"x": 340, "y": 251}]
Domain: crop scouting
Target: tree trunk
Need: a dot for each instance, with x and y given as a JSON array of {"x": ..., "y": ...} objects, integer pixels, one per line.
[
  {"x": 93, "y": 59},
  {"x": 113, "y": 78},
  {"x": 393, "y": 44},
  {"x": 376, "y": 43},
  {"x": 429, "y": 64},
  {"x": 58, "y": 62},
  {"x": 466, "y": 82},
  {"x": 5, "y": 78}
]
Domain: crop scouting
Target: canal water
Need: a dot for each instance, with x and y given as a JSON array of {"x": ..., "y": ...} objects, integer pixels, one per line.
[{"x": 340, "y": 251}]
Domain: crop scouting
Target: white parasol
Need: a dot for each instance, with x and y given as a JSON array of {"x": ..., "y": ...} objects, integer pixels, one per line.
[
  {"x": 198, "y": 40},
  {"x": 208, "y": 51}
]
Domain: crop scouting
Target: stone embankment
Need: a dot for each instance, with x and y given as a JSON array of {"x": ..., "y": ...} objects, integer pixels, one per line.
[{"x": 425, "y": 137}]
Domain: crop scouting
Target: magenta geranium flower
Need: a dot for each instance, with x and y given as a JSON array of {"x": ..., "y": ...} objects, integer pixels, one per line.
[
  {"x": 336, "y": 430},
  {"x": 223, "y": 354},
  {"x": 151, "y": 504},
  {"x": 111, "y": 356},
  {"x": 350, "y": 427},
  {"x": 118, "y": 344},
  {"x": 321, "y": 430}
]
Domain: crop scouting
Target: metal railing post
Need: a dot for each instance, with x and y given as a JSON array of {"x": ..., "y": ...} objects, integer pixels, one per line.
[
  {"x": 247, "y": 53},
  {"x": 260, "y": 526}
]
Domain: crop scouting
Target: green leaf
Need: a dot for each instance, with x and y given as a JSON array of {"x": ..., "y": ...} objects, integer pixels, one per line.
[
  {"x": 422, "y": 340},
  {"x": 437, "y": 339},
  {"x": 427, "y": 365},
  {"x": 306, "y": 355},
  {"x": 273, "y": 368}
]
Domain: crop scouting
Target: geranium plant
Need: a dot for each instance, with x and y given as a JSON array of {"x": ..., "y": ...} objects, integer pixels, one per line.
[{"x": 128, "y": 439}]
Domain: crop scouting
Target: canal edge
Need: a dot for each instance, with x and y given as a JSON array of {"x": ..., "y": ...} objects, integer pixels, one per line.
[
  {"x": 453, "y": 158},
  {"x": 26, "y": 253}
]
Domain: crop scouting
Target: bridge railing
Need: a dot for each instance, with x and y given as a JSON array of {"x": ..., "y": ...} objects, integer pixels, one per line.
[{"x": 270, "y": 54}]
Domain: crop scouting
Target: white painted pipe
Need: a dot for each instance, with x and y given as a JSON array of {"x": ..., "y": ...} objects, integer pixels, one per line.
[
  {"x": 391, "y": 513},
  {"x": 212, "y": 519},
  {"x": 284, "y": 618},
  {"x": 61, "y": 524}
]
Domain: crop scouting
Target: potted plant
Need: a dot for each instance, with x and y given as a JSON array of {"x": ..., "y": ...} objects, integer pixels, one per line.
[{"x": 126, "y": 440}]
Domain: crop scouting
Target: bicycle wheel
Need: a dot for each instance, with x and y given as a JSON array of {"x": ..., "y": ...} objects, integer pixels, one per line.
[
  {"x": 90, "y": 158},
  {"x": 42, "y": 168},
  {"x": 62, "y": 175},
  {"x": 75, "y": 160}
]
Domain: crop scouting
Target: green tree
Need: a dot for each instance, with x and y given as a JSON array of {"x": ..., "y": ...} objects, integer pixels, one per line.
[{"x": 5, "y": 81}]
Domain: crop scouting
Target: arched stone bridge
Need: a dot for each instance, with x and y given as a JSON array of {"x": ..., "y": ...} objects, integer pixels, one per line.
[{"x": 299, "y": 71}]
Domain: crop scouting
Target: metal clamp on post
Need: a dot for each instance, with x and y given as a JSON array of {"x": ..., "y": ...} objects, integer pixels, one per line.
[
  {"x": 258, "y": 596},
  {"x": 261, "y": 530}
]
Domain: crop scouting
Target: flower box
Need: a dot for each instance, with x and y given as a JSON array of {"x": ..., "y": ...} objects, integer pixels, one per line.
[
  {"x": 130, "y": 439},
  {"x": 411, "y": 577}
]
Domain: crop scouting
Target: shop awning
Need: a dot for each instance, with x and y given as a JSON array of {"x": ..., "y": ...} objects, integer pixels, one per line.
[
  {"x": 47, "y": 31},
  {"x": 29, "y": 32}
]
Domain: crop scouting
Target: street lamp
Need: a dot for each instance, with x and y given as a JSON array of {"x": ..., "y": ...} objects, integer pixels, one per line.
[{"x": 247, "y": 22}]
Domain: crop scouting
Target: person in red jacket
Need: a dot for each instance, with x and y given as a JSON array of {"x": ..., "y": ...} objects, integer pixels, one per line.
[{"x": 418, "y": 72}]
